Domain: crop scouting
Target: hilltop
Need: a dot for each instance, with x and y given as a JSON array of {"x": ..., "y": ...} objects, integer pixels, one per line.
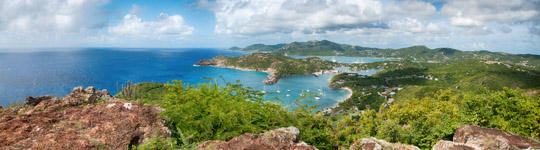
[
  {"x": 277, "y": 66},
  {"x": 258, "y": 48},
  {"x": 413, "y": 53}
]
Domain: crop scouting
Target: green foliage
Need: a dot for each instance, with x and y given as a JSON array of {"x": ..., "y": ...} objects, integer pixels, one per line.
[
  {"x": 157, "y": 143},
  {"x": 148, "y": 92},
  {"x": 209, "y": 111},
  {"x": 508, "y": 110},
  {"x": 15, "y": 104},
  {"x": 423, "y": 122},
  {"x": 283, "y": 65}
]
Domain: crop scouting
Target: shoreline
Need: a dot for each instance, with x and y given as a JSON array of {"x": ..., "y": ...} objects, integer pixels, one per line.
[{"x": 327, "y": 110}]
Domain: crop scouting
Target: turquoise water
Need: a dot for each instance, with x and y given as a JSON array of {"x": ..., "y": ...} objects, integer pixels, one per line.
[{"x": 57, "y": 71}]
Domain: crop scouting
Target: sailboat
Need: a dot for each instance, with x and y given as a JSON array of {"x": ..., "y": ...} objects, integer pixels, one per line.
[
  {"x": 307, "y": 89},
  {"x": 264, "y": 89},
  {"x": 278, "y": 90},
  {"x": 302, "y": 92},
  {"x": 320, "y": 88},
  {"x": 333, "y": 59}
]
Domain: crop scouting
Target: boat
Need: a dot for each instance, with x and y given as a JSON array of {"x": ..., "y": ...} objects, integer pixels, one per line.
[
  {"x": 317, "y": 97},
  {"x": 288, "y": 95},
  {"x": 288, "y": 90}
]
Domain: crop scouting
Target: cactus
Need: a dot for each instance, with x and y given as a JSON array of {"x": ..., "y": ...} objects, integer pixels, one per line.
[{"x": 128, "y": 90}]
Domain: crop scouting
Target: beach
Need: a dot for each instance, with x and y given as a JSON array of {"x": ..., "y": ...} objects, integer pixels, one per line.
[{"x": 349, "y": 95}]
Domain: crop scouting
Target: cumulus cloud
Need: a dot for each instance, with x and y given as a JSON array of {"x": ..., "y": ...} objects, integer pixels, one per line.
[
  {"x": 474, "y": 15},
  {"x": 321, "y": 17},
  {"x": 414, "y": 9},
  {"x": 46, "y": 15},
  {"x": 163, "y": 25}
]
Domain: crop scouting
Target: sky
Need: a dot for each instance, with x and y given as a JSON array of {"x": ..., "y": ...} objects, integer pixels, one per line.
[{"x": 511, "y": 26}]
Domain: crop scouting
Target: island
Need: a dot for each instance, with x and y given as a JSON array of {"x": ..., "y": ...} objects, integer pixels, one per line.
[{"x": 277, "y": 66}]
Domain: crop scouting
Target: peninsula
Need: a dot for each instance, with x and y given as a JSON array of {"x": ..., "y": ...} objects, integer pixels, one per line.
[{"x": 277, "y": 66}]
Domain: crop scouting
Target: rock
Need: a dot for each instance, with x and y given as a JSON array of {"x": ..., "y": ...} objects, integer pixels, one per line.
[
  {"x": 278, "y": 139},
  {"x": 90, "y": 90},
  {"x": 53, "y": 124},
  {"x": 487, "y": 138},
  {"x": 208, "y": 62},
  {"x": 33, "y": 101},
  {"x": 89, "y": 95},
  {"x": 449, "y": 145},
  {"x": 376, "y": 144}
]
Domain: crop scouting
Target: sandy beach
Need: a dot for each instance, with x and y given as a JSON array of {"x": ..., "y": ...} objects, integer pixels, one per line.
[{"x": 348, "y": 96}]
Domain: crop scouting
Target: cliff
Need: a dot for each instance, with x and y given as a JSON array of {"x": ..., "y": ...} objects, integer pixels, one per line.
[{"x": 84, "y": 119}]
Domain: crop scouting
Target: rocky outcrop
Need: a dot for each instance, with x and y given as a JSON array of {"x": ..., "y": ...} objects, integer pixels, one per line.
[
  {"x": 449, "y": 145},
  {"x": 86, "y": 96},
  {"x": 33, "y": 101},
  {"x": 478, "y": 138},
  {"x": 51, "y": 123},
  {"x": 376, "y": 144},
  {"x": 278, "y": 139},
  {"x": 218, "y": 61}
]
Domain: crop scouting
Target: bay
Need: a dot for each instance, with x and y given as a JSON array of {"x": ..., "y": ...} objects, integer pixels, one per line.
[{"x": 56, "y": 71}]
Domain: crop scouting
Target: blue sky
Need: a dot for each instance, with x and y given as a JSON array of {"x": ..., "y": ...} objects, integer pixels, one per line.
[{"x": 497, "y": 25}]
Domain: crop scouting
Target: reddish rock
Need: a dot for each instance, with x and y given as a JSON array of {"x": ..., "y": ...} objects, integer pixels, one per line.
[
  {"x": 89, "y": 95},
  {"x": 376, "y": 144},
  {"x": 278, "y": 139},
  {"x": 449, "y": 145},
  {"x": 33, "y": 101},
  {"x": 57, "y": 124},
  {"x": 486, "y": 138}
]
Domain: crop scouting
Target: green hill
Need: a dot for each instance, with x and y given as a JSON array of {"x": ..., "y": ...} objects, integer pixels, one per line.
[
  {"x": 318, "y": 48},
  {"x": 258, "y": 48},
  {"x": 413, "y": 53},
  {"x": 277, "y": 66}
]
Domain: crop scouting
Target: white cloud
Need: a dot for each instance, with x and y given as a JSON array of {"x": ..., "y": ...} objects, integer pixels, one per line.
[
  {"x": 46, "y": 15},
  {"x": 477, "y": 13},
  {"x": 317, "y": 18},
  {"x": 164, "y": 25},
  {"x": 411, "y": 8},
  {"x": 286, "y": 16}
]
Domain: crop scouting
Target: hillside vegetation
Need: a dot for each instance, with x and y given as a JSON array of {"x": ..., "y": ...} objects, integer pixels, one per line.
[
  {"x": 414, "y": 53},
  {"x": 195, "y": 113},
  {"x": 277, "y": 66}
]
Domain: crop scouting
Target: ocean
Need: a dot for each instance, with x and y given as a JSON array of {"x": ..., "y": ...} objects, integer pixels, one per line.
[{"x": 57, "y": 71}]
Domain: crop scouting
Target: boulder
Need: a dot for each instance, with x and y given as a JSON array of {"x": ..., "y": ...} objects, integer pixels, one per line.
[
  {"x": 487, "y": 138},
  {"x": 449, "y": 145},
  {"x": 278, "y": 139},
  {"x": 86, "y": 96},
  {"x": 53, "y": 124},
  {"x": 376, "y": 144},
  {"x": 33, "y": 101}
]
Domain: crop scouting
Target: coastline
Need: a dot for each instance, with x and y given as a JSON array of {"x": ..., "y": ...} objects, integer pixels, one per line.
[{"x": 327, "y": 110}]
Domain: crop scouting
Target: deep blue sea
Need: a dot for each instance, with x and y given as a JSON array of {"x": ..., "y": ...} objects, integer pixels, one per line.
[{"x": 57, "y": 71}]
